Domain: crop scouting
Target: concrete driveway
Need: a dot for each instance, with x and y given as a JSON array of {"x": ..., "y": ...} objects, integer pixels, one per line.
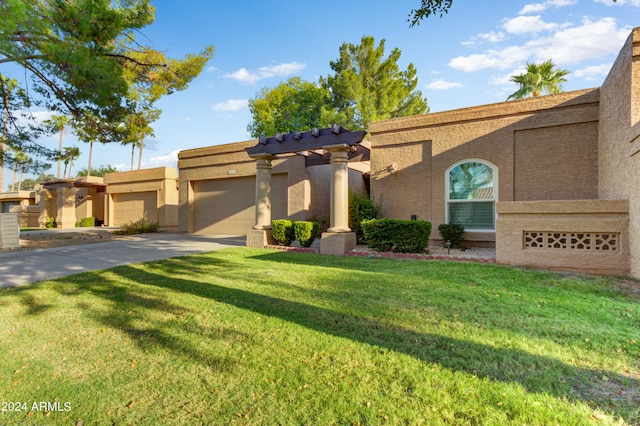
[{"x": 24, "y": 267}]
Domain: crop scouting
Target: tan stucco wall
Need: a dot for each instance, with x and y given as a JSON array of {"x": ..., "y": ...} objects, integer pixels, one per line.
[
  {"x": 504, "y": 134},
  {"x": 163, "y": 181},
  {"x": 320, "y": 186},
  {"x": 231, "y": 160},
  {"x": 619, "y": 141},
  {"x": 580, "y": 235}
]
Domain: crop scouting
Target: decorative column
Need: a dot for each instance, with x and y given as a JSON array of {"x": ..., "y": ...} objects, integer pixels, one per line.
[
  {"x": 261, "y": 235},
  {"x": 338, "y": 239},
  {"x": 66, "y": 217}
]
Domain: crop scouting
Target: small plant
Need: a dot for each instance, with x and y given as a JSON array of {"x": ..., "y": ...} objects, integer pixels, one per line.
[
  {"x": 50, "y": 223},
  {"x": 323, "y": 223},
  {"x": 305, "y": 232},
  {"x": 86, "y": 222},
  {"x": 451, "y": 232},
  {"x": 283, "y": 231},
  {"x": 140, "y": 226},
  {"x": 403, "y": 236},
  {"x": 362, "y": 207}
]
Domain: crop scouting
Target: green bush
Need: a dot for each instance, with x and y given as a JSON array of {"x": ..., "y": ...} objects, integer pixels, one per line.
[
  {"x": 403, "y": 236},
  {"x": 323, "y": 223},
  {"x": 50, "y": 223},
  {"x": 86, "y": 222},
  {"x": 283, "y": 231},
  {"x": 362, "y": 207},
  {"x": 305, "y": 232},
  {"x": 140, "y": 226},
  {"x": 451, "y": 232}
]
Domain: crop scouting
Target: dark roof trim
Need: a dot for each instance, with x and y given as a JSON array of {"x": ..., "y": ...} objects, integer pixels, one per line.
[{"x": 307, "y": 141}]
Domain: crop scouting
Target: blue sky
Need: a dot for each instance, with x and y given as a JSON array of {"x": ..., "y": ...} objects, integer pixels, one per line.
[{"x": 463, "y": 59}]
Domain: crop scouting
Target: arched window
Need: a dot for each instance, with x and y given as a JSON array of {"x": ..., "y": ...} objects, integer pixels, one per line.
[{"x": 471, "y": 194}]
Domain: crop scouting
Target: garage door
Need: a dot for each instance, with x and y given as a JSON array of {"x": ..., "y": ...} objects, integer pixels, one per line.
[
  {"x": 227, "y": 206},
  {"x": 133, "y": 206}
]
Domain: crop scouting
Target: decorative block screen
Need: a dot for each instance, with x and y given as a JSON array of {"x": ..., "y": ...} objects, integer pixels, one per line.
[{"x": 590, "y": 241}]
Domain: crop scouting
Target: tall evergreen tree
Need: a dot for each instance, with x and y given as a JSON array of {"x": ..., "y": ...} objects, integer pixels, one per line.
[{"x": 368, "y": 87}]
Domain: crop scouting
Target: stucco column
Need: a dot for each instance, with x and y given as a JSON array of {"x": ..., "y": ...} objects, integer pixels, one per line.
[
  {"x": 263, "y": 192},
  {"x": 66, "y": 216},
  {"x": 339, "y": 203}
]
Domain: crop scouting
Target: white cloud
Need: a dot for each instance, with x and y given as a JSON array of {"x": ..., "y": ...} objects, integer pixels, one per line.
[
  {"x": 166, "y": 160},
  {"x": 528, "y": 24},
  {"x": 231, "y": 105},
  {"x": 211, "y": 69},
  {"x": 593, "y": 72},
  {"x": 282, "y": 70},
  {"x": 589, "y": 40},
  {"x": 491, "y": 37},
  {"x": 243, "y": 76},
  {"x": 533, "y": 8},
  {"x": 441, "y": 84}
]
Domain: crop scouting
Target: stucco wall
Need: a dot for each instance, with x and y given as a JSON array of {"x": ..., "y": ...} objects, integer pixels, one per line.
[
  {"x": 163, "y": 181},
  {"x": 505, "y": 134},
  {"x": 320, "y": 188},
  {"x": 580, "y": 235},
  {"x": 619, "y": 141}
]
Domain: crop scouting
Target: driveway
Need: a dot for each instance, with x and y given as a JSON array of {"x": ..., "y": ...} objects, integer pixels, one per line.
[{"x": 24, "y": 267}]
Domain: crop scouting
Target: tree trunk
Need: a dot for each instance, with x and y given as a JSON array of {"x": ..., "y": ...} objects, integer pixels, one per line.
[
  {"x": 15, "y": 172},
  {"x": 133, "y": 154},
  {"x": 140, "y": 154},
  {"x": 89, "y": 163},
  {"x": 21, "y": 174},
  {"x": 60, "y": 151}
]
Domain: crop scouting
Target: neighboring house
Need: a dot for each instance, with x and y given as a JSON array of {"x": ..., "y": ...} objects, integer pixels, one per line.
[
  {"x": 22, "y": 203},
  {"x": 69, "y": 200},
  {"x": 150, "y": 193}
]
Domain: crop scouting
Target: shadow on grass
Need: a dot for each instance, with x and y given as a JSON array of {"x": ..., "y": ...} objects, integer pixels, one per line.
[{"x": 619, "y": 394}]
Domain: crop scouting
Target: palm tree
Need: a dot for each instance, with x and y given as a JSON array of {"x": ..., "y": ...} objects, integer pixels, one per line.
[
  {"x": 58, "y": 123},
  {"x": 538, "y": 78},
  {"x": 20, "y": 159},
  {"x": 69, "y": 155}
]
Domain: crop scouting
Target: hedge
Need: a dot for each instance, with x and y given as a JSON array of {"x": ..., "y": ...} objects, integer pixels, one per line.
[
  {"x": 401, "y": 236},
  {"x": 283, "y": 231},
  {"x": 451, "y": 232},
  {"x": 86, "y": 222},
  {"x": 305, "y": 232}
]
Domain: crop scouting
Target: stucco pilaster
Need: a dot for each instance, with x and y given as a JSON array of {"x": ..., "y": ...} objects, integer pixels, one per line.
[
  {"x": 66, "y": 215},
  {"x": 339, "y": 203}
]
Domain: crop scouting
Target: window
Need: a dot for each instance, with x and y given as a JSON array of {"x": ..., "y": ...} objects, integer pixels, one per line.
[{"x": 471, "y": 194}]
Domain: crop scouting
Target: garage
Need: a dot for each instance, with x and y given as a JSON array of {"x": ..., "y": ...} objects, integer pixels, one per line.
[
  {"x": 227, "y": 206},
  {"x": 133, "y": 206}
]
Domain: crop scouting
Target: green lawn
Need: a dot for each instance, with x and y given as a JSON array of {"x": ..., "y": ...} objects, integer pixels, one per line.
[{"x": 252, "y": 336}]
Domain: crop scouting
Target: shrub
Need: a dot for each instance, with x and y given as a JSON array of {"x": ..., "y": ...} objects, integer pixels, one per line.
[
  {"x": 362, "y": 207},
  {"x": 283, "y": 231},
  {"x": 86, "y": 222},
  {"x": 140, "y": 226},
  {"x": 50, "y": 223},
  {"x": 403, "y": 236},
  {"x": 305, "y": 232},
  {"x": 323, "y": 223},
  {"x": 451, "y": 232}
]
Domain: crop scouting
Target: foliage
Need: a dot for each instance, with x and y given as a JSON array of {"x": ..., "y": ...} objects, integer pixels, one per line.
[
  {"x": 283, "y": 231},
  {"x": 294, "y": 105},
  {"x": 255, "y": 336},
  {"x": 140, "y": 226},
  {"x": 86, "y": 222},
  {"x": 367, "y": 87},
  {"x": 30, "y": 184},
  {"x": 451, "y": 232},
  {"x": 402, "y": 236},
  {"x": 543, "y": 77},
  {"x": 362, "y": 207},
  {"x": 323, "y": 223},
  {"x": 100, "y": 171},
  {"x": 428, "y": 8},
  {"x": 69, "y": 155},
  {"x": 50, "y": 223},
  {"x": 85, "y": 63},
  {"x": 305, "y": 232}
]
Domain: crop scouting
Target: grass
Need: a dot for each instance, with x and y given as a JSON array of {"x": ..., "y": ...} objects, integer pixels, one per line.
[{"x": 252, "y": 336}]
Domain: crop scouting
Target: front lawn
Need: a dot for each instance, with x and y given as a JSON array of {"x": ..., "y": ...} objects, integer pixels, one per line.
[{"x": 251, "y": 336}]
